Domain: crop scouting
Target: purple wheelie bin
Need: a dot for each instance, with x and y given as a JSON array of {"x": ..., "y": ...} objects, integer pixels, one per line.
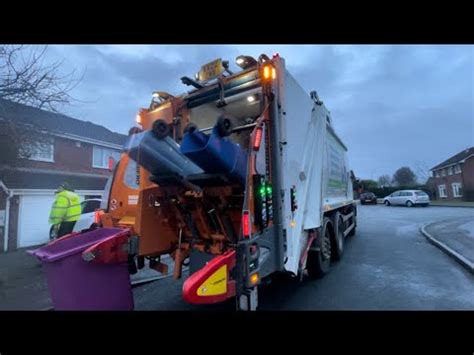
[{"x": 75, "y": 284}]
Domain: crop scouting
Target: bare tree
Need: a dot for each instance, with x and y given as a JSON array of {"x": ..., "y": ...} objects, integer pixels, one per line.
[
  {"x": 26, "y": 78},
  {"x": 422, "y": 171}
]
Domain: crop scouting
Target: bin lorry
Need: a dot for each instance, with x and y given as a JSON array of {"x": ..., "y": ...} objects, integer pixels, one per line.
[{"x": 238, "y": 179}]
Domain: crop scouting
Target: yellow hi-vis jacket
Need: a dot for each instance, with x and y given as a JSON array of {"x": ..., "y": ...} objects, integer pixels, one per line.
[{"x": 66, "y": 208}]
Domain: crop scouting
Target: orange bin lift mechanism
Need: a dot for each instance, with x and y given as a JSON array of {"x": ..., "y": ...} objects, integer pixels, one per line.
[
  {"x": 159, "y": 215},
  {"x": 168, "y": 112},
  {"x": 121, "y": 212},
  {"x": 212, "y": 283},
  {"x": 156, "y": 223}
]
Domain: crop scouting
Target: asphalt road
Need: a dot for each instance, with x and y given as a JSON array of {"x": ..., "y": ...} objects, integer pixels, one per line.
[{"x": 387, "y": 265}]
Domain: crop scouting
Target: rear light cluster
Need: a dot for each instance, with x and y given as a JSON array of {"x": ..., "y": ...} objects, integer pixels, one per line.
[
  {"x": 97, "y": 216},
  {"x": 253, "y": 265},
  {"x": 254, "y": 278},
  {"x": 262, "y": 201},
  {"x": 258, "y": 138},
  {"x": 269, "y": 72},
  {"x": 246, "y": 224},
  {"x": 294, "y": 205}
]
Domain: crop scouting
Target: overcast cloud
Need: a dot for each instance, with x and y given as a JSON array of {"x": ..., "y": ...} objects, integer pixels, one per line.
[{"x": 393, "y": 106}]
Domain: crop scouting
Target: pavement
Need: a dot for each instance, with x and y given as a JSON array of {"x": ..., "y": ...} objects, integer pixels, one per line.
[
  {"x": 454, "y": 236},
  {"x": 443, "y": 203},
  {"x": 387, "y": 265},
  {"x": 23, "y": 285}
]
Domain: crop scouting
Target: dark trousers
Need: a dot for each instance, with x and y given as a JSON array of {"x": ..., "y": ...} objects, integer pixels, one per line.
[{"x": 65, "y": 228}]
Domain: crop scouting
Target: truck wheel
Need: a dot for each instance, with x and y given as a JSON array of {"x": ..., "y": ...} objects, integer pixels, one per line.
[
  {"x": 338, "y": 236},
  {"x": 319, "y": 260},
  {"x": 160, "y": 129},
  {"x": 224, "y": 126}
]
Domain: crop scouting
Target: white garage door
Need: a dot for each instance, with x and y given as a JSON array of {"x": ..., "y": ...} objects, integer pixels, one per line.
[{"x": 33, "y": 226}]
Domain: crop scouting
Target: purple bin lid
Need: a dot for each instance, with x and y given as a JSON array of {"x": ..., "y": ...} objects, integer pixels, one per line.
[{"x": 56, "y": 251}]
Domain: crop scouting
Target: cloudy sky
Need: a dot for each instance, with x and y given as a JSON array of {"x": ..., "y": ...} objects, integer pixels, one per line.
[{"x": 393, "y": 106}]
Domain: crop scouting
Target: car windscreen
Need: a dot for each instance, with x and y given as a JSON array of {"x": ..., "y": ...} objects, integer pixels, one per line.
[{"x": 90, "y": 206}]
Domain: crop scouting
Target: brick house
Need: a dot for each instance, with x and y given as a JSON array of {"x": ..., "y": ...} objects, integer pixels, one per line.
[
  {"x": 74, "y": 151},
  {"x": 453, "y": 179}
]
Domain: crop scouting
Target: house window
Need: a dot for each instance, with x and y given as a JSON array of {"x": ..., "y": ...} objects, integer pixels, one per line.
[
  {"x": 40, "y": 151},
  {"x": 457, "y": 189},
  {"x": 442, "y": 191},
  {"x": 436, "y": 174},
  {"x": 457, "y": 168},
  {"x": 450, "y": 170},
  {"x": 443, "y": 172},
  {"x": 100, "y": 157}
]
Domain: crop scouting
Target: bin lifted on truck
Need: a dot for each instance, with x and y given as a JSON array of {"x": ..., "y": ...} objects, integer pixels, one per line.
[{"x": 240, "y": 178}]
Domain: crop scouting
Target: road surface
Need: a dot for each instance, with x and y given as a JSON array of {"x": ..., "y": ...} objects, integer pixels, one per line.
[{"x": 387, "y": 265}]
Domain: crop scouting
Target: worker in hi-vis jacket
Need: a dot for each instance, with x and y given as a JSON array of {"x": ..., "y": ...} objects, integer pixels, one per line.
[{"x": 66, "y": 210}]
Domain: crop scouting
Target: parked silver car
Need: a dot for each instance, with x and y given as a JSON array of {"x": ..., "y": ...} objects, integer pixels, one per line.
[{"x": 408, "y": 198}]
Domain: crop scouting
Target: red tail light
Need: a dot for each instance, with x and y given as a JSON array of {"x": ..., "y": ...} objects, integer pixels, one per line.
[
  {"x": 97, "y": 216},
  {"x": 246, "y": 224},
  {"x": 258, "y": 138}
]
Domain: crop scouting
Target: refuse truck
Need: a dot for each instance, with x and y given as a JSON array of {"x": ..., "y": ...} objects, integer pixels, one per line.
[{"x": 238, "y": 179}]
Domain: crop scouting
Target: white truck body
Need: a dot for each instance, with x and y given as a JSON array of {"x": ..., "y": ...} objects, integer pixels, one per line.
[{"x": 314, "y": 160}]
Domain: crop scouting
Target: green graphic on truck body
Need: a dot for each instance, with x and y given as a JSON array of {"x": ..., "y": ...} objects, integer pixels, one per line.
[{"x": 337, "y": 174}]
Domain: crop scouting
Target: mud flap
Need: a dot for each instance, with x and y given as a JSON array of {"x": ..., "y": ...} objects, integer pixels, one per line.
[
  {"x": 212, "y": 283},
  {"x": 248, "y": 301}
]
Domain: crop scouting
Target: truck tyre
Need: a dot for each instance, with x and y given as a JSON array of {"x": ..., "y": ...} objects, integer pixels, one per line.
[
  {"x": 319, "y": 260},
  {"x": 338, "y": 236},
  {"x": 160, "y": 129},
  {"x": 224, "y": 126}
]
